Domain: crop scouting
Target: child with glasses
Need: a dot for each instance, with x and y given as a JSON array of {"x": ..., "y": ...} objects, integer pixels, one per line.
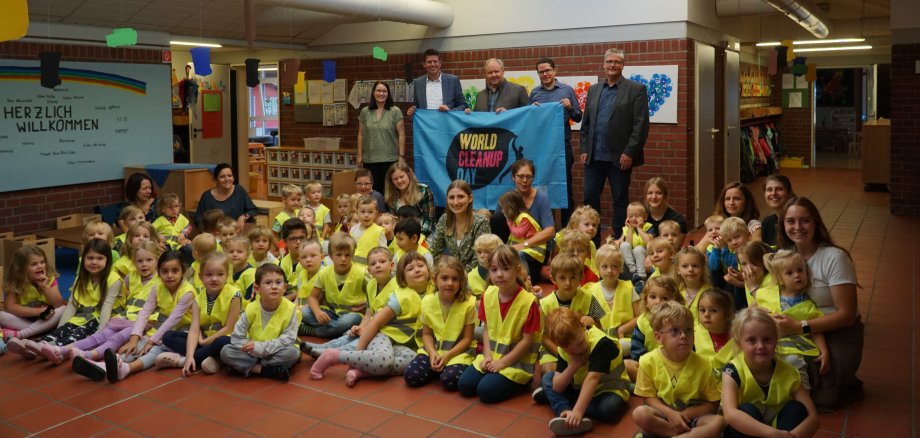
[{"x": 680, "y": 390}]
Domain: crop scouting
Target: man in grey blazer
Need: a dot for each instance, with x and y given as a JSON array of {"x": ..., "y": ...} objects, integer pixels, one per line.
[
  {"x": 499, "y": 94},
  {"x": 614, "y": 128},
  {"x": 436, "y": 89}
]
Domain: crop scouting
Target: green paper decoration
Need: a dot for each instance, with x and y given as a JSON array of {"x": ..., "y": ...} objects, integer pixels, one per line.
[
  {"x": 379, "y": 53},
  {"x": 124, "y": 36}
]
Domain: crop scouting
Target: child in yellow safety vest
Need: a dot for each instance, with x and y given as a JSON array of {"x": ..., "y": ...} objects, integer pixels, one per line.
[{"x": 337, "y": 301}]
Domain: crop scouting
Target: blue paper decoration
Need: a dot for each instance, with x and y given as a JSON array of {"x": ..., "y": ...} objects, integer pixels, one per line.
[
  {"x": 659, "y": 89},
  {"x": 329, "y": 71},
  {"x": 201, "y": 57}
]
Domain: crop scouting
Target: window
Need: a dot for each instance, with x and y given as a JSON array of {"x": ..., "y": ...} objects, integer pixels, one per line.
[{"x": 263, "y": 103}]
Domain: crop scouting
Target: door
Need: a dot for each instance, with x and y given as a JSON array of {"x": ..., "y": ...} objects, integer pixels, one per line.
[
  {"x": 732, "y": 117},
  {"x": 704, "y": 106},
  {"x": 210, "y": 118}
]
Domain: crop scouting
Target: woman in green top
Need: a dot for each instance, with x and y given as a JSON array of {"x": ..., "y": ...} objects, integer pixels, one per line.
[{"x": 379, "y": 144}]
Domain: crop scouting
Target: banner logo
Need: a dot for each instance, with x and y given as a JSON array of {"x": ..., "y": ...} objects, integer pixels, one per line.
[{"x": 478, "y": 155}]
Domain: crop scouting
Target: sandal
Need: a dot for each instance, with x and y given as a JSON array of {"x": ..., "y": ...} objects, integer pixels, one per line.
[{"x": 168, "y": 360}]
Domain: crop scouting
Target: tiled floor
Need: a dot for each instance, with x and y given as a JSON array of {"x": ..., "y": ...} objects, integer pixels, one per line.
[{"x": 36, "y": 398}]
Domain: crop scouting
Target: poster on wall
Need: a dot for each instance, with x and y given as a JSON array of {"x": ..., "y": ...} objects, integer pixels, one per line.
[
  {"x": 101, "y": 118},
  {"x": 660, "y": 82}
]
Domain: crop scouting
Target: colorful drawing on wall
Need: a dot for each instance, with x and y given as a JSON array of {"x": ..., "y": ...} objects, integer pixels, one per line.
[
  {"x": 662, "y": 85},
  {"x": 834, "y": 87}
]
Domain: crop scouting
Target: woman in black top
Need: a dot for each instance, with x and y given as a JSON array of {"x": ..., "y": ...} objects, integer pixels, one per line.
[
  {"x": 226, "y": 196},
  {"x": 777, "y": 190},
  {"x": 656, "y": 203}
]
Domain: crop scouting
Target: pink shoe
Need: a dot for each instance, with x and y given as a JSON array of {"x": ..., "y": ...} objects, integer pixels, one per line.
[
  {"x": 34, "y": 347},
  {"x": 353, "y": 375},
  {"x": 54, "y": 354},
  {"x": 329, "y": 358},
  {"x": 18, "y": 346},
  {"x": 9, "y": 334}
]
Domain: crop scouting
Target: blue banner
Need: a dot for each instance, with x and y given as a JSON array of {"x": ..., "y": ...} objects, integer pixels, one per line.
[{"x": 480, "y": 147}]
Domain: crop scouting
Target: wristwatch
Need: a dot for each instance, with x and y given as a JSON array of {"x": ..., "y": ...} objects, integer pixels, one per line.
[
  {"x": 526, "y": 245},
  {"x": 805, "y": 327}
]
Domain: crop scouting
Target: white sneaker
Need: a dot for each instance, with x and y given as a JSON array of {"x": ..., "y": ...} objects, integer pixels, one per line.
[
  {"x": 210, "y": 365},
  {"x": 558, "y": 427}
]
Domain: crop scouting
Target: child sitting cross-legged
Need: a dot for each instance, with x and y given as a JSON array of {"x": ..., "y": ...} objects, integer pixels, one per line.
[
  {"x": 680, "y": 390},
  {"x": 264, "y": 338},
  {"x": 338, "y": 298},
  {"x": 590, "y": 381}
]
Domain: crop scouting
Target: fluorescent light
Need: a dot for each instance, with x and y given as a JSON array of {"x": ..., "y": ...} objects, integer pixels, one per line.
[
  {"x": 807, "y": 42},
  {"x": 191, "y": 43},
  {"x": 832, "y": 49},
  {"x": 268, "y": 68}
]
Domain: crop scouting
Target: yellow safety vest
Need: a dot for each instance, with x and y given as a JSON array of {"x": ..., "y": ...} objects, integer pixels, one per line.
[
  {"x": 581, "y": 303},
  {"x": 448, "y": 330},
  {"x": 616, "y": 381},
  {"x": 688, "y": 388},
  {"x": 166, "y": 302},
  {"x": 592, "y": 262},
  {"x": 340, "y": 301},
  {"x": 136, "y": 295},
  {"x": 276, "y": 325},
  {"x": 802, "y": 343},
  {"x": 305, "y": 284},
  {"x": 694, "y": 304},
  {"x": 372, "y": 293},
  {"x": 767, "y": 281},
  {"x": 369, "y": 240},
  {"x": 196, "y": 276},
  {"x": 291, "y": 268},
  {"x": 645, "y": 326},
  {"x": 475, "y": 281},
  {"x": 702, "y": 343},
  {"x": 403, "y": 327},
  {"x": 171, "y": 231},
  {"x": 537, "y": 252},
  {"x": 282, "y": 217},
  {"x": 243, "y": 282},
  {"x": 505, "y": 332},
  {"x": 622, "y": 311},
  {"x": 210, "y": 323},
  {"x": 783, "y": 384},
  {"x": 400, "y": 253},
  {"x": 87, "y": 300},
  {"x": 32, "y": 297},
  {"x": 636, "y": 238},
  {"x": 123, "y": 266},
  {"x": 320, "y": 214}
]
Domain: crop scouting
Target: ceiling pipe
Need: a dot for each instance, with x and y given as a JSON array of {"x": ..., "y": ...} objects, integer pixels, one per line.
[
  {"x": 424, "y": 12},
  {"x": 790, "y": 8}
]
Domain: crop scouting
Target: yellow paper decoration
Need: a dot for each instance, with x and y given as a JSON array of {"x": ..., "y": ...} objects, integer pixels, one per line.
[
  {"x": 790, "y": 54},
  {"x": 14, "y": 19},
  {"x": 812, "y": 73}
]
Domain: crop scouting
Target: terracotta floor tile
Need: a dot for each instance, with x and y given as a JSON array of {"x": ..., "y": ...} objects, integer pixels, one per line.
[
  {"x": 882, "y": 408},
  {"x": 243, "y": 412},
  {"x": 518, "y": 404},
  {"x": 282, "y": 395},
  {"x": 832, "y": 422},
  {"x": 484, "y": 419},
  {"x": 47, "y": 416},
  {"x": 826, "y": 434},
  {"x": 147, "y": 380},
  {"x": 866, "y": 426},
  {"x": 324, "y": 429},
  {"x": 129, "y": 410},
  {"x": 395, "y": 397},
  {"x": 118, "y": 432},
  {"x": 361, "y": 417},
  {"x": 69, "y": 386},
  {"x": 452, "y": 432},
  {"x": 11, "y": 430},
  {"x": 174, "y": 391},
  {"x": 280, "y": 424},
  {"x": 23, "y": 403},
  {"x": 529, "y": 427},
  {"x": 246, "y": 387},
  {"x": 83, "y": 426},
  {"x": 402, "y": 426},
  {"x": 155, "y": 425},
  {"x": 440, "y": 408},
  {"x": 204, "y": 403},
  {"x": 320, "y": 406},
  {"x": 98, "y": 398}
]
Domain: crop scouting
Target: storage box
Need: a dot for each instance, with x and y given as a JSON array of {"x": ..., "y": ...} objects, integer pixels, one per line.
[
  {"x": 792, "y": 162},
  {"x": 322, "y": 143},
  {"x": 76, "y": 220},
  {"x": 9, "y": 246}
]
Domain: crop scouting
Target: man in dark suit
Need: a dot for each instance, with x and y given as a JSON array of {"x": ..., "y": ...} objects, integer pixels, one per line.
[
  {"x": 436, "y": 89},
  {"x": 499, "y": 94},
  {"x": 614, "y": 128}
]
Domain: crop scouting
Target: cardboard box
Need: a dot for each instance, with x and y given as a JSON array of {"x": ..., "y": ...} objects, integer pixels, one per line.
[
  {"x": 76, "y": 220},
  {"x": 9, "y": 246}
]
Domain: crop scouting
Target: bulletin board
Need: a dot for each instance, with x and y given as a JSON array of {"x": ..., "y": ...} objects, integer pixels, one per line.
[
  {"x": 101, "y": 118},
  {"x": 212, "y": 114}
]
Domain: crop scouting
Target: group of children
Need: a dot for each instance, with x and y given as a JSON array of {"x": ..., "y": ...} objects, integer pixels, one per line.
[{"x": 612, "y": 327}]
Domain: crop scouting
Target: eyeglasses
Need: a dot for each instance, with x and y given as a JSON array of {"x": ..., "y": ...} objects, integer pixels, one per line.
[
  {"x": 675, "y": 332},
  {"x": 524, "y": 177},
  {"x": 613, "y": 61},
  {"x": 547, "y": 71},
  {"x": 296, "y": 238},
  {"x": 363, "y": 184}
]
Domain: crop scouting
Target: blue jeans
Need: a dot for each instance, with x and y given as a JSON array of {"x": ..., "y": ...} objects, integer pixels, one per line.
[
  {"x": 337, "y": 325},
  {"x": 788, "y": 418},
  {"x": 490, "y": 387},
  {"x": 596, "y": 175},
  {"x": 175, "y": 341},
  {"x": 607, "y": 407}
]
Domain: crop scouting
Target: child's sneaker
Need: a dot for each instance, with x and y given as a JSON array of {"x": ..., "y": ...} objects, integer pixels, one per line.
[
  {"x": 558, "y": 427},
  {"x": 168, "y": 360},
  {"x": 18, "y": 346},
  {"x": 9, "y": 334},
  {"x": 277, "y": 372},
  {"x": 539, "y": 396},
  {"x": 211, "y": 365},
  {"x": 89, "y": 369}
]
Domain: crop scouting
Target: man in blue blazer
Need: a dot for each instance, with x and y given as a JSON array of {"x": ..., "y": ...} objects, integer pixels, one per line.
[
  {"x": 614, "y": 128},
  {"x": 436, "y": 89}
]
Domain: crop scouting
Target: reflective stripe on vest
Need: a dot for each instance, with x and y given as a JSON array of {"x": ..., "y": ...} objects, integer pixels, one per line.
[
  {"x": 369, "y": 240},
  {"x": 507, "y": 331}
]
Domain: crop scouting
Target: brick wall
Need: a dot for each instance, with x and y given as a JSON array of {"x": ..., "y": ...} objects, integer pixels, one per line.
[
  {"x": 27, "y": 211},
  {"x": 668, "y": 153},
  {"x": 905, "y": 130},
  {"x": 796, "y": 123}
]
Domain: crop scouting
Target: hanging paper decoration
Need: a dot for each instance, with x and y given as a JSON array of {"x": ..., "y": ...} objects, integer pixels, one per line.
[
  {"x": 14, "y": 21},
  {"x": 201, "y": 58},
  {"x": 798, "y": 66},
  {"x": 379, "y": 53},
  {"x": 790, "y": 52},
  {"x": 289, "y": 69},
  {"x": 125, "y": 36},
  {"x": 771, "y": 67},
  {"x": 811, "y": 73},
  {"x": 329, "y": 71},
  {"x": 50, "y": 69},
  {"x": 781, "y": 62},
  {"x": 252, "y": 72}
]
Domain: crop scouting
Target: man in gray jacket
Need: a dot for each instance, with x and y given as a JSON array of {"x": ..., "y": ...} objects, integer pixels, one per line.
[
  {"x": 499, "y": 94},
  {"x": 614, "y": 128}
]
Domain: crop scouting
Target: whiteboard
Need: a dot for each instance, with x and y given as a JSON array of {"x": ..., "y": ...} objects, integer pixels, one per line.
[{"x": 101, "y": 118}]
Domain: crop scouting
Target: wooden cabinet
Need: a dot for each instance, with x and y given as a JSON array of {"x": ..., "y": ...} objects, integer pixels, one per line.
[
  {"x": 188, "y": 181},
  {"x": 287, "y": 165},
  {"x": 876, "y": 152}
]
